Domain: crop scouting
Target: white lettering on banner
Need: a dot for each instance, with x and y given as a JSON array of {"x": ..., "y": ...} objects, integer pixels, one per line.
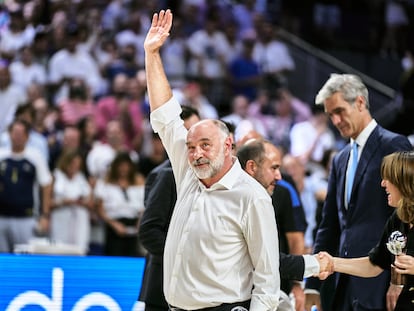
[{"x": 55, "y": 302}]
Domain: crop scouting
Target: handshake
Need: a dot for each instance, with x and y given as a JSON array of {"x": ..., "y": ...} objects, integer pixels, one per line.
[{"x": 326, "y": 265}]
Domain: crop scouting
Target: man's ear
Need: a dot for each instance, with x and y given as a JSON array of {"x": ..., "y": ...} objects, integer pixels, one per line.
[
  {"x": 251, "y": 167},
  {"x": 360, "y": 103}
]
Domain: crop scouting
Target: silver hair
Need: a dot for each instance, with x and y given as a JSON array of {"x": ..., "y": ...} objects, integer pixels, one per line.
[
  {"x": 349, "y": 85},
  {"x": 224, "y": 130}
]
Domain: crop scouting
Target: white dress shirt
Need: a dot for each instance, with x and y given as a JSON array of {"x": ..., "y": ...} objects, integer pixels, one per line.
[{"x": 222, "y": 244}]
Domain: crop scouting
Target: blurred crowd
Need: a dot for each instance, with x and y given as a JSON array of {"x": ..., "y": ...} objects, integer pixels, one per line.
[{"x": 73, "y": 103}]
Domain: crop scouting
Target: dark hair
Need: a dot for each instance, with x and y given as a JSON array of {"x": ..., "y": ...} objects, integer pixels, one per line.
[
  {"x": 25, "y": 124},
  {"x": 252, "y": 150},
  {"x": 113, "y": 174},
  {"x": 230, "y": 126},
  {"x": 187, "y": 112},
  {"x": 66, "y": 158}
]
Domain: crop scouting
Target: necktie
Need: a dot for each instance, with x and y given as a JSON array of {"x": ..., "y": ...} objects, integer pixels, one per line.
[{"x": 351, "y": 170}]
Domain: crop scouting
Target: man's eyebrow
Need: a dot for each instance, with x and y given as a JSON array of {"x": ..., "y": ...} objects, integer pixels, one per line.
[{"x": 200, "y": 140}]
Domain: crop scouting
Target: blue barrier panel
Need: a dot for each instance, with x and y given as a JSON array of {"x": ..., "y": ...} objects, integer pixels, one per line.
[{"x": 69, "y": 283}]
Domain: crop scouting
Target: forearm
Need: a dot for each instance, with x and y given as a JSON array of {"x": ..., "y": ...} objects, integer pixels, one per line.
[
  {"x": 46, "y": 199},
  {"x": 159, "y": 90},
  {"x": 361, "y": 267}
]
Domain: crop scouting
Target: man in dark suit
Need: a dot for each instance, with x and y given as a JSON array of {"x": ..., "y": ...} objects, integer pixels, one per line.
[{"x": 352, "y": 224}]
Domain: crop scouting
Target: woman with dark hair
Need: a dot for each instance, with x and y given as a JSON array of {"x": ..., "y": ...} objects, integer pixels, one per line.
[
  {"x": 120, "y": 205},
  {"x": 71, "y": 203},
  {"x": 395, "y": 250}
]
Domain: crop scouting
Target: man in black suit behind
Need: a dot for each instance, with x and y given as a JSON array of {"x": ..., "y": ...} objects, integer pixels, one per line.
[{"x": 352, "y": 221}]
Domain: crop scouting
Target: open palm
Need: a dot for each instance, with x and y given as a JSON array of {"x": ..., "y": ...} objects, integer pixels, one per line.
[{"x": 159, "y": 31}]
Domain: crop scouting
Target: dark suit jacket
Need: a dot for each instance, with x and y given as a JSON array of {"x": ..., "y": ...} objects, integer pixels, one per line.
[
  {"x": 354, "y": 231},
  {"x": 160, "y": 197}
]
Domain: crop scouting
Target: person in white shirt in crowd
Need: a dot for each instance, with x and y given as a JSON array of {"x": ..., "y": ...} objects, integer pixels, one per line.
[
  {"x": 219, "y": 265},
  {"x": 132, "y": 35},
  {"x": 120, "y": 199},
  {"x": 310, "y": 139},
  {"x": 101, "y": 155},
  {"x": 72, "y": 62},
  {"x": 71, "y": 203},
  {"x": 240, "y": 119},
  {"x": 11, "y": 96},
  {"x": 174, "y": 54},
  {"x": 191, "y": 94},
  {"x": 272, "y": 55},
  {"x": 17, "y": 34},
  {"x": 208, "y": 59},
  {"x": 25, "y": 72}
]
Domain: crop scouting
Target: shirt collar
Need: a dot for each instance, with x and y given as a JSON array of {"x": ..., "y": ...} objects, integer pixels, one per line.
[
  {"x": 364, "y": 135},
  {"x": 229, "y": 179}
]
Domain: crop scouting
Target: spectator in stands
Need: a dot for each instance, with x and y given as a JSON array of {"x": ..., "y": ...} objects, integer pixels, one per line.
[
  {"x": 288, "y": 110},
  {"x": 68, "y": 139},
  {"x": 309, "y": 139},
  {"x": 119, "y": 106},
  {"x": 132, "y": 34},
  {"x": 36, "y": 140},
  {"x": 120, "y": 206},
  {"x": 11, "y": 96},
  {"x": 312, "y": 189},
  {"x": 239, "y": 116},
  {"x": 25, "y": 71},
  {"x": 102, "y": 153},
  {"x": 123, "y": 62},
  {"x": 78, "y": 103},
  {"x": 88, "y": 136},
  {"x": 273, "y": 56},
  {"x": 15, "y": 35},
  {"x": 71, "y": 62},
  {"x": 175, "y": 54},
  {"x": 244, "y": 71},
  {"x": 71, "y": 203},
  {"x": 207, "y": 61},
  {"x": 24, "y": 172},
  {"x": 191, "y": 94}
]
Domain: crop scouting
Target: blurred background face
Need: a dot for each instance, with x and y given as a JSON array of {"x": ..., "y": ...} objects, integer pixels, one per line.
[
  {"x": 4, "y": 77},
  {"x": 18, "y": 137},
  {"x": 124, "y": 169},
  {"x": 74, "y": 166}
]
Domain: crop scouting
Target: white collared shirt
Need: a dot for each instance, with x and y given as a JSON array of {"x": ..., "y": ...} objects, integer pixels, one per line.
[{"x": 222, "y": 240}]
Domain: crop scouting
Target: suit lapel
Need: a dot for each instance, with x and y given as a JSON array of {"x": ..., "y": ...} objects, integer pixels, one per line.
[{"x": 368, "y": 152}]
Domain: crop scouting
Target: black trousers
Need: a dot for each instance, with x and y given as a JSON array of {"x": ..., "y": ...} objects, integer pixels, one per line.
[{"x": 237, "y": 306}]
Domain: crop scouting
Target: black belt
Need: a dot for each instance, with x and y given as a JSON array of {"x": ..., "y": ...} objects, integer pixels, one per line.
[{"x": 236, "y": 306}]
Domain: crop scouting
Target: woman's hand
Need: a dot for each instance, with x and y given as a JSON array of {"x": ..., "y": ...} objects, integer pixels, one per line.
[{"x": 404, "y": 264}]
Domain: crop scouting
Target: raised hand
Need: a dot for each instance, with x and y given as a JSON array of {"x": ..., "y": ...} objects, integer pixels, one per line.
[{"x": 159, "y": 31}]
